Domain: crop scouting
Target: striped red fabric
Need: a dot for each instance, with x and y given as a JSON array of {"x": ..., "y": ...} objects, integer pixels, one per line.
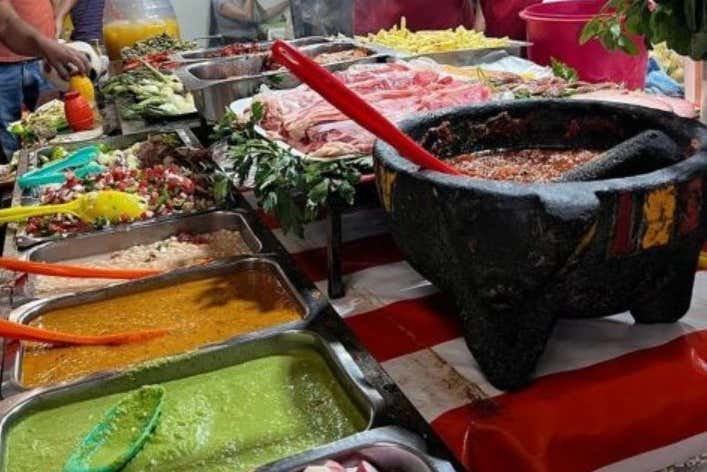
[
  {"x": 406, "y": 326},
  {"x": 608, "y": 395},
  {"x": 587, "y": 418},
  {"x": 355, "y": 255}
]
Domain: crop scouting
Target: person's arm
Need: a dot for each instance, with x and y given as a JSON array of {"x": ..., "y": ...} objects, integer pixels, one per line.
[
  {"x": 275, "y": 10},
  {"x": 61, "y": 9},
  {"x": 22, "y": 39},
  {"x": 234, "y": 12}
]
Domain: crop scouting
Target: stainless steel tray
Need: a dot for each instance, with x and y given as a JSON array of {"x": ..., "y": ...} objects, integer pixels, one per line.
[
  {"x": 119, "y": 238},
  {"x": 217, "y": 83},
  {"x": 461, "y": 57},
  {"x": 309, "y": 302},
  {"x": 388, "y": 448},
  {"x": 16, "y": 239},
  {"x": 365, "y": 398},
  {"x": 200, "y": 55}
]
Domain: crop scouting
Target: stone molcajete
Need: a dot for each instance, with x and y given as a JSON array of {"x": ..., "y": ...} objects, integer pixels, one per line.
[{"x": 516, "y": 257}]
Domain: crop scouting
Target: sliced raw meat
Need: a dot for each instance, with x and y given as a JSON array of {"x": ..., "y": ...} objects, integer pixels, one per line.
[
  {"x": 308, "y": 123},
  {"x": 676, "y": 105}
]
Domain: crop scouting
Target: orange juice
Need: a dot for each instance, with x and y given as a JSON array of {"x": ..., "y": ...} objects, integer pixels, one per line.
[{"x": 120, "y": 34}]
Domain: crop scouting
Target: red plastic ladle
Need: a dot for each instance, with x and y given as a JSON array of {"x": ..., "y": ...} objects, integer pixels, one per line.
[{"x": 350, "y": 104}]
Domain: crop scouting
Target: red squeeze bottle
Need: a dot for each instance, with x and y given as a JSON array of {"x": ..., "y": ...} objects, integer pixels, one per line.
[{"x": 78, "y": 112}]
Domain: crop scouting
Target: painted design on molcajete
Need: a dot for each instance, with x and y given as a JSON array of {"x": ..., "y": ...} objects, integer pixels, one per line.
[
  {"x": 659, "y": 216},
  {"x": 385, "y": 180},
  {"x": 690, "y": 205},
  {"x": 623, "y": 227},
  {"x": 586, "y": 239}
]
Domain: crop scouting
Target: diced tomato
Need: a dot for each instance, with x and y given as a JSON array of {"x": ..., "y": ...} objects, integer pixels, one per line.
[
  {"x": 119, "y": 173},
  {"x": 131, "y": 64}
]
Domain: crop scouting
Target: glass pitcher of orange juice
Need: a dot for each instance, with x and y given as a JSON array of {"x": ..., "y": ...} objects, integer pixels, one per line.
[{"x": 126, "y": 22}]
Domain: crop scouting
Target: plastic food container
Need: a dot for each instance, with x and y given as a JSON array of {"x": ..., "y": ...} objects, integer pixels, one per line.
[
  {"x": 126, "y": 22},
  {"x": 554, "y": 29}
]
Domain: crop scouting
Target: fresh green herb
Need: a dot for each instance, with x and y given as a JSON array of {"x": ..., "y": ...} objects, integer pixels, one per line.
[
  {"x": 680, "y": 23},
  {"x": 57, "y": 152},
  {"x": 222, "y": 188},
  {"x": 276, "y": 79},
  {"x": 156, "y": 45},
  {"x": 293, "y": 189},
  {"x": 563, "y": 71},
  {"x": 223, "y": 127},
  {"x": 101, "y": 222},
  {"x": 164, "y": 197}
]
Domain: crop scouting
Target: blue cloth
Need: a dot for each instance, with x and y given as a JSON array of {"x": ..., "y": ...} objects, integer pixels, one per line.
[
  {"x": 20, "y": 82},
  {"x": 657, "y": 81},
  {"x": 87, "y": 17}
]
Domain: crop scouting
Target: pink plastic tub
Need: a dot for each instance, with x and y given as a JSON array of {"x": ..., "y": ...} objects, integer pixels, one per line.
[{"x": 554, "y": 30}]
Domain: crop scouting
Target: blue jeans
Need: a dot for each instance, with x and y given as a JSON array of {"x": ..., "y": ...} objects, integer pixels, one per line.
[{"x": 20, "y": 82}]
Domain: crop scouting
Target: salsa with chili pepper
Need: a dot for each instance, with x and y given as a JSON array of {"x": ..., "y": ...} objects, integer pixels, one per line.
[{"x": 522, "y": 165}]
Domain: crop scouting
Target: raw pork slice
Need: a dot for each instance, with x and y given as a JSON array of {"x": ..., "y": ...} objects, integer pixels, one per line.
[
  {"x": 676, "y": 105},
  {"x": 308, "y": 123}
]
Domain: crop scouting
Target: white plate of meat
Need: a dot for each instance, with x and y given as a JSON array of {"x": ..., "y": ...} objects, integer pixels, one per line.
[
  {"x": 242, "y": 109},
  {"x": 308, "y": 124}
]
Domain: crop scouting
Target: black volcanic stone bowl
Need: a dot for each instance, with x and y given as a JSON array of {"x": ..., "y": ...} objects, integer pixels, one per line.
[{"x": 516, "y": 257}]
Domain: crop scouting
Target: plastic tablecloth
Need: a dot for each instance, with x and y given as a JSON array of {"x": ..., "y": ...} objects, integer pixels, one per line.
[{"x": 608, "y": 394}]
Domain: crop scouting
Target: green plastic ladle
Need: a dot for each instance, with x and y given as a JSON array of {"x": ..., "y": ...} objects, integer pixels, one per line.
[
  {"x": 121, "y": 433},
  {"x": 59, "y": 177},
  {"x": 77, "y": 158}
]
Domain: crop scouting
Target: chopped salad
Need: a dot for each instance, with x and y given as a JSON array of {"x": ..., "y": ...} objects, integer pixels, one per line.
[{"x": 170, "y": 178}]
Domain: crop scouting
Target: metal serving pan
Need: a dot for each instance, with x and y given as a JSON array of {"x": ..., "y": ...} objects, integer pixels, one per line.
[
  {"x": 185, "y": 137},
  {"x": 17, "y": 239},
  {"x": 217, "y": 83},
  {"x": 119, "y": 238},
  {"x": 307, "y": 300},
  {"x": 388, "y": 448},
  {"x": 460, "y": 57},
  {"x": 200, "y": 55},
  {"x": 365, "y": 398}
]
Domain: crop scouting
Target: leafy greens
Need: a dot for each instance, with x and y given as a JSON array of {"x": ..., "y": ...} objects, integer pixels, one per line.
[
  {"x": 293, "y": 189},
  {"x": 680, "y": 23}
]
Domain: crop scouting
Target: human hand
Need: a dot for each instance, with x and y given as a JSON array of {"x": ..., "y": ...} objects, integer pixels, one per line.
[
  {"x": 62, "y": 58},
  {"x": 58, "y": 27}
]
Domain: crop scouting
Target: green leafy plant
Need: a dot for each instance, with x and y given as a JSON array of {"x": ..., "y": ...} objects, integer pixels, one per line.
[
  {"x": 293, "y": 189},
  {"x": 680, "y": 23},
  {"x": 563, "y": 71}
]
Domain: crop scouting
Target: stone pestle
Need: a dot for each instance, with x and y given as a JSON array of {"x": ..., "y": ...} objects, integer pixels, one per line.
[{"x": 646, "y": 152}]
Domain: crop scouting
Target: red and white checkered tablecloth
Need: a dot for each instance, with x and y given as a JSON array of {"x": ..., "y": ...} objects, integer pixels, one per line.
[{"x": 609, "y": 395}]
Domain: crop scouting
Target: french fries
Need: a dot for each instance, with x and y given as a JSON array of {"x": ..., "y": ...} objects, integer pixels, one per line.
[{"x": 421, "y": 42}]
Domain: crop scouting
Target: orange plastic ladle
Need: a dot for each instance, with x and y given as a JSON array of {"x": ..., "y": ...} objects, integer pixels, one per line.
[
  {"x": 13, "y": 330},
  {"x": 66, "y": 270}
]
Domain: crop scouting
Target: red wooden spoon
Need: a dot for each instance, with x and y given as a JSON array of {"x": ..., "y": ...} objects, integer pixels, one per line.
[{"x": 349, "y": 103}]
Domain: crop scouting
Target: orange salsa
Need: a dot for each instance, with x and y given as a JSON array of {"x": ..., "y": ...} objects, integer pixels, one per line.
[{"x": 196, "y": 313}]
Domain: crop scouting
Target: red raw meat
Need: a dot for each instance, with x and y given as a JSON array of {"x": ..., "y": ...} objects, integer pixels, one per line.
[
  {"x": 307, "y": 122},
  {"x": 676, "y": 105}
]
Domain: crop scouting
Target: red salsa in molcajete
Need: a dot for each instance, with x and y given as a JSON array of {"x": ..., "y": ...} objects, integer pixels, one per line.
[{"x": 522, "y": 165}]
